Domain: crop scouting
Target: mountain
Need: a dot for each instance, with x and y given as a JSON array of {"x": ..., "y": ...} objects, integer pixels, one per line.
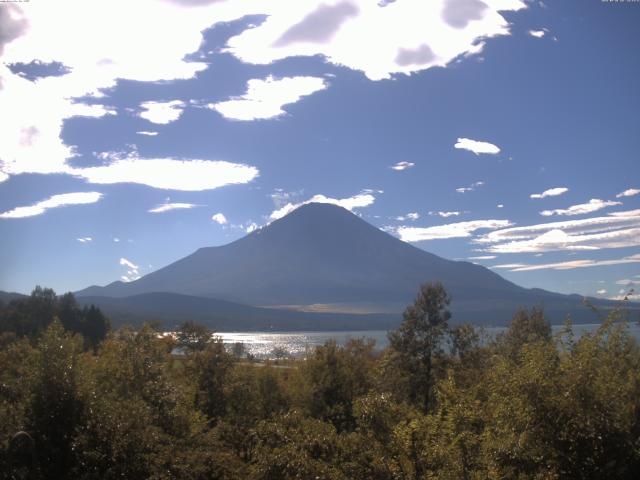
[
  {"x": 170, "y": 309},
  {"x": 322, "y": 254},
  {"x": 6, "y": 297}
]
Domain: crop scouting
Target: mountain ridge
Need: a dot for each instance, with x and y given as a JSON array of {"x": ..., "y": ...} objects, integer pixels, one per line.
[{"x": 324, "y": 254}]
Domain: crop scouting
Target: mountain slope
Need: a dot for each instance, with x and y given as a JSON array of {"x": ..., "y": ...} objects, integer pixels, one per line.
[
  {"x": 324, "y": 254},
  {"x": 171, "y": 309},
  {"x": 317, "y": 254}
]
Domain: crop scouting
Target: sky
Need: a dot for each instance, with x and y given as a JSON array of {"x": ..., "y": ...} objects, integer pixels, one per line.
[{"x": 502, "y": 132}]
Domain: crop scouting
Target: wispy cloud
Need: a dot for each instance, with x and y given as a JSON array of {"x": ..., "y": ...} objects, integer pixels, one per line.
[
  {"x": 361, "y": 200},
  {"x": 624, "y": 296},
  {"x": 591, "y": 206},
  {"x": 219, "y": 218},
  {"x": 617, "y": 230},
  {"x": 133, "y": 272},
  {"x": 251, "y": 227},
  {"x": 477, "y": 147},
  {"x": 84, "y": 239},
  {"x": 63, "y": 200},
  {"x": 162, "y": 112},
  {"x": 628, "y": 193},
  {"x": 147, "y": 133},
  {"x": 552, "y": 192},
  {"x": 167, "y": 173},
  {"x": 537, "y": 33},
  {"x": 521, "y": 267},
  {"x": 281, "y": 197},
  {"x": 452, "y": 230},
  {"x": 166, "y": 207},
  {"x": 482, "y": 257},
  {"x": 402, "y": 166},
  {"x": 345, "y": 33},
  {"x": 409, "y": 216},
  {"x": 470, "y": 188},
  {"x": 265, "y": 98},
  {"x": 445, "y": 214}
]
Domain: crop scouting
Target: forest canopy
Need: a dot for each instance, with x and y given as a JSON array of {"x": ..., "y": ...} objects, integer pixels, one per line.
[{"x": 79, "y": 400}]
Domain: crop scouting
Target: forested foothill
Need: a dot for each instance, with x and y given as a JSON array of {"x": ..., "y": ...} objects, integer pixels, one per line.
[{"x": 81, "y": 401}]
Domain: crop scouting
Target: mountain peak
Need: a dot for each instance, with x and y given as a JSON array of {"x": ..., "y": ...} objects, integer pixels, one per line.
[
  {"x": 323, "y": 254},
  {"x": 320, "y": 211}
]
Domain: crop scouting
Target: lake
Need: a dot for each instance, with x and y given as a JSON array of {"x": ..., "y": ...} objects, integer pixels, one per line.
[{"x": 297, "y": 344}]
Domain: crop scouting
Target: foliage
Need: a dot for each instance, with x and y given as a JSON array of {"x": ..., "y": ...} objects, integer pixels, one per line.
[
  {"x": 419, "y": 340},
  {"x": 439, "y": 403},
  {"x": 31, "y": 316}
]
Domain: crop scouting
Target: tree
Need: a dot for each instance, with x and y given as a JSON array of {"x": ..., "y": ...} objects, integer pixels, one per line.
[
  {"x": 95, "y": 325},
  {"x": 419, "y": 338},
  {"x": 335, "y": 376},
  {"x": 55, "y": 408},
  {"x": 30, "y": 316},
  {"x": 525, "y": 327},
  {"x": 194, "y": 337}
]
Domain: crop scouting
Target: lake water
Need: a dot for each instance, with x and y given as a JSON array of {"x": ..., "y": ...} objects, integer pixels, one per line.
[{"x": 297, "y": 344}]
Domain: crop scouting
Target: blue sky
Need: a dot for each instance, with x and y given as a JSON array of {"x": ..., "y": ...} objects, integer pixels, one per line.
[{"x": 501, "y": 132}]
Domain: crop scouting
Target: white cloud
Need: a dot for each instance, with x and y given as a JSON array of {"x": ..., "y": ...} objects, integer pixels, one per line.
[
  {"x": 126, "y": 45},
  {"x": 65, "y": 199},
  {"x": 628, "y": 193},
  {"x": 470, "y": 188},
  {"x": 628, "y": 282},
  {"x": 446, "y": 214},
  {"x": 148, "y": 134},
  {"x": 483, "y": 257},
  {"x": 499, "y": 205},
  {"x": 281, "y": 198},
  {"x": 417, "y": 35},
  {"x": 602, "y": 291},
  {"x": 402, "y": 166},
  {"x": 3, "y": 176},
  {"x": 452, "y": 230},
  {"x": 538, "y": 33},
  {"x": 617, "y": 230},
  {"x": 141, "y": 50},
  {"x": 162, "y": 112},
  {"x": 593, "y": 205},
  {"x": 552, "y": 192},
  {"x": 128, "y": 264},
  {"x": 634, "y": 297},
  {"x": 363, "y": 199},
  {"x": 477, "y": 147},
  {"x": 408, "y": 216},
  {"x": 168, "y": 173},
  {"x": 166, "y": 207},
  {"x": 251, "y": 227},
  {"x": 133, "y": 272},
  {"x": 519, "y": 267},
  {"x": 84, "y": 239},
  {"x": 219, "y": 218},
  {"x": 265, "y": 98}
]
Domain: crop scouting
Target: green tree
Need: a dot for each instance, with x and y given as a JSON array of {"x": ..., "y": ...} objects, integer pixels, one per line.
[
  {"x": 334, "y": 377},
  {"x": 55, "y": 408},
  {"x": 525, "y": 327},
  {"x": 193, "y": 337},
  {"x": 210, "y": 367},
  {"x": 419, "y": 339}
]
